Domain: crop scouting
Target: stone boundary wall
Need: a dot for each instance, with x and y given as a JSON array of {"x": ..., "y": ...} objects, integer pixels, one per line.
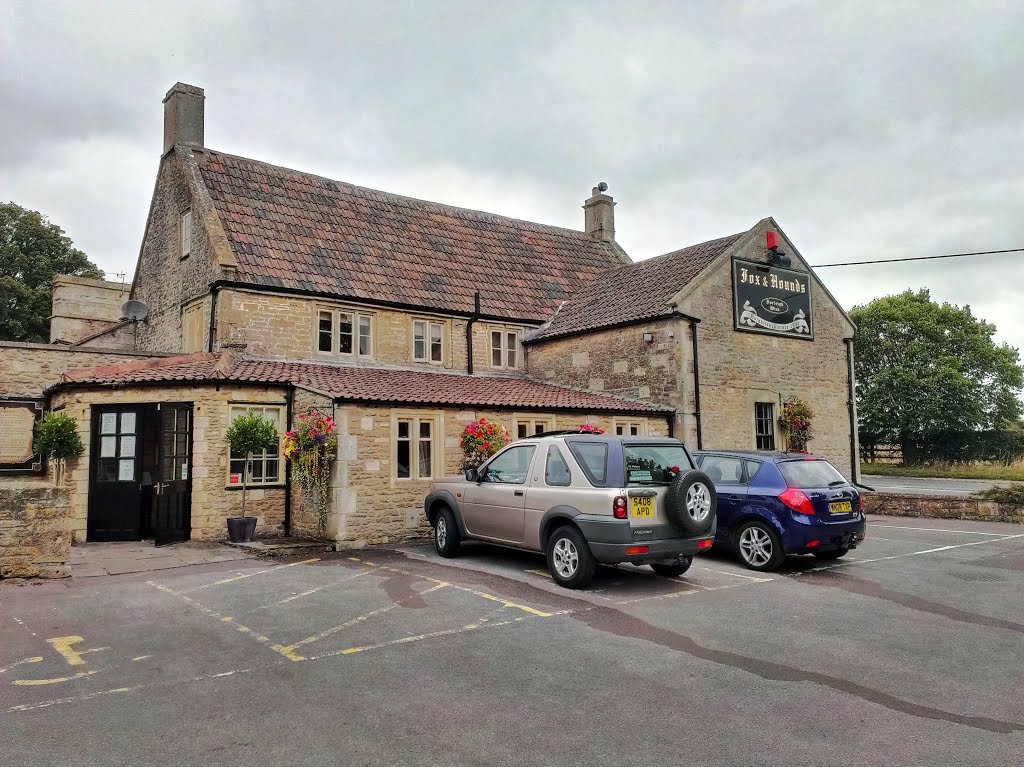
[
  {"x": 35, "y": 529},
  {"x": 26, "y": 369},
  {"x": 942, "y": 507}
]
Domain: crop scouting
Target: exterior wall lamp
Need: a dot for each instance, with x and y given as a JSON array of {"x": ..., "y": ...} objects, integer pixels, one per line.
[{"x": 648, "y": 338}]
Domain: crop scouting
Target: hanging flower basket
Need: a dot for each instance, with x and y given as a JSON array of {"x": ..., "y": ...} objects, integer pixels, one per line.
[
  {"x": 586, "y": 428},
  {"x": 480, "y": 440},
  {"x": 795, "y": 421},
  {"x": 311, "y": 448}
]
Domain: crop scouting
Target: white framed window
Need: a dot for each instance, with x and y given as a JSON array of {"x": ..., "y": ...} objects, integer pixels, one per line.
[
  {"x": 504, "y": 348},
  {"x": 343, "y": 333},
  {"x": 524, "y": 426},
  {"x": 265, "y": 468},
  {"x": 625, "y": 428},
  {"x": 427, "y": 341},
  {"x": 417, "y": 447},
  {"x": 185, "y": 232}
]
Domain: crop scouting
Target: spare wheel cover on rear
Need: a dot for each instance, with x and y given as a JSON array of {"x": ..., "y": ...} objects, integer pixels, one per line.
[{"x": 691, "y": 502}]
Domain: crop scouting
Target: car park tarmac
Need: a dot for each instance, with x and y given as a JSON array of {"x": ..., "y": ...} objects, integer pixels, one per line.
[{"x": 907, "y": 652}]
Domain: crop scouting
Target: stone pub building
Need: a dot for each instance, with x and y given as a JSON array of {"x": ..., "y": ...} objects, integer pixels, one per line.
[{"x": 278, "y": 291}]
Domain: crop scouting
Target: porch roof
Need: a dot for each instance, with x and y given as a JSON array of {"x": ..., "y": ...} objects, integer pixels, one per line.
[{"x": 361, "y": 384}]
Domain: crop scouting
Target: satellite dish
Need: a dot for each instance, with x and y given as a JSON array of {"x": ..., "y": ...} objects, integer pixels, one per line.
[{"x": 134, "y": 311}]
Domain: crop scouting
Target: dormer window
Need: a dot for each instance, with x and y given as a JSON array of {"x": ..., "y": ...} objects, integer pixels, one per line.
[{"x": 185, "y": 230}]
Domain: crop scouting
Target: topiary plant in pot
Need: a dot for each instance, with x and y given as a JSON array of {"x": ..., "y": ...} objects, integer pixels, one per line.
[
  {"x": 248, "y": 434},
  {"x": 56, "y": 437}
]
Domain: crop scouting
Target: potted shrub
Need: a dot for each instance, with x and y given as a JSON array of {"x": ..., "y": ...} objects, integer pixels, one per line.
[
  {"x": 480, "y": 440},
  {"x": 56, "y": 437},
  {"x": 248, "y": 434},
  {"x": 311, "y": 448}
]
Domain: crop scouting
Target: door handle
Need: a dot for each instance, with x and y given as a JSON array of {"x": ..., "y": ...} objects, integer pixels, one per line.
[{"x": 518, "y": 492}]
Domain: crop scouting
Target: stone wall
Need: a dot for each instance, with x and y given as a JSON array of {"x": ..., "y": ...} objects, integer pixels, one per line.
[
  {"x": 35, "y": 529},
  {"x": 83, "y": 307},
  {"x": 942, "y": 507},
  {"x": 286, "y": 326},
  {"x": 370, "y": 505},
  {"x": 213, "y": 499},
  {"x": 163, "y": 279},
  {"x": 26, "y": 369},
  {"x": 620, "y": 362},
  {"x": 738, "y": 369}
]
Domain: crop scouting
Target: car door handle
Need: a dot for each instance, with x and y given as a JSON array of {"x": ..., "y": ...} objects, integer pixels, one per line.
[
  {"x": 518, "y": 492},
  {"x": 733, "y": 497}
]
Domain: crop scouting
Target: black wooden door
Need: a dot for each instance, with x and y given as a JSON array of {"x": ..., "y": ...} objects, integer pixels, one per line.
[
  {"x": 115, "y": 482},
  {"x": 172, "y": 497}
]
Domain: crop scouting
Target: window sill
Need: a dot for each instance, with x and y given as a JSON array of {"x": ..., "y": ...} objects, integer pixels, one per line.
[{"x": 267, "y": 486}]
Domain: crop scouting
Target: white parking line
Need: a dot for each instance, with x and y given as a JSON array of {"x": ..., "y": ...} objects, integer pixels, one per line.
[
  {"x": 934, "y": 530},
  {"x": 909, "y": 554}
]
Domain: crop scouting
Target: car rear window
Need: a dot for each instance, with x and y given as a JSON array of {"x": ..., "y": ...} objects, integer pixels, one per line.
[
  {"x": 653, "y": 464},
  {"x": 810, "y": 473},
  {"x": 593, "y": 457}
]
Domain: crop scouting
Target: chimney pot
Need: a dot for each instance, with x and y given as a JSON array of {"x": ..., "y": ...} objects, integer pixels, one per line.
[
  {"x": 183, "y": 116},
  {"x": 599, "y": 214}
]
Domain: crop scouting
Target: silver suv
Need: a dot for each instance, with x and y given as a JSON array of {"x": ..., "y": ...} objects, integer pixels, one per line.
[{"x": 582, "y": 498}]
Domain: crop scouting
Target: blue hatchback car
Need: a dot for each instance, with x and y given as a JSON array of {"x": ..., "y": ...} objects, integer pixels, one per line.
[{"x": 774, "y": 504}]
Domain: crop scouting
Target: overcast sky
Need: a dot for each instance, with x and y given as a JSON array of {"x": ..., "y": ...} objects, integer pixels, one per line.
[{"x": 868, "y": 130}]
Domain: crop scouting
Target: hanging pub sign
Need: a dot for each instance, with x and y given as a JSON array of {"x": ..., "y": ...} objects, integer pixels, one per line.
[{"x": 770, "y": 299}]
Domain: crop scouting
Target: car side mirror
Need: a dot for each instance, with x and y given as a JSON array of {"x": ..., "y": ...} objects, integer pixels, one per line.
[{"x": 472, "y": 476}]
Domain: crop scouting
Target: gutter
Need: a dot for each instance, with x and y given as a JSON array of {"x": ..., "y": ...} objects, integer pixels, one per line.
[
  {"x": 214, "y": 289},
  {"x": 289, "y": 397},
  {"x": 696, "y": 381},
  {"x": 852, "y": 405},
  {"x": 336, "y": 297},
  {"x": 469, "y": 332}
]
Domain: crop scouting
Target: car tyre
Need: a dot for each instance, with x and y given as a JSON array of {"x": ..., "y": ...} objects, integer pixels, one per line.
[
  {"x": 691, "y": 502},
  {"x": 447, "y": 537},
  {"x": 570, "y": 560},
  {"x": 834, "y": 554},
  {"x": 758, "y": 547},
  {"x": 675, "y": 569}
]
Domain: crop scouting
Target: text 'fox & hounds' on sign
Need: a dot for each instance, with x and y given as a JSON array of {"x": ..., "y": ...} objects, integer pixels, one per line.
[{"x": 770, "y": 299}]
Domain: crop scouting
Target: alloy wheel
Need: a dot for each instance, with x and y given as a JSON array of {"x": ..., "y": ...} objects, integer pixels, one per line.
[
  {"x": 698, "y": 502},
  {"x": 756, "y": 546},
  {"x": 566, "y": 558},
  {"x": 442, "y": 532}
]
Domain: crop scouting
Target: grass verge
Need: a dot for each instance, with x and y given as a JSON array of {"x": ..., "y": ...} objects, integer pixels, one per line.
[{"x": 1014, "y": 471}]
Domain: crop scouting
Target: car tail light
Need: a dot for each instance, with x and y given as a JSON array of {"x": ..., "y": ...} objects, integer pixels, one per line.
[
  {"x": 631, "y": 550},
  {"x": 619, "y": 507},
  {"x": 860, "y": 503},
  {"x": 812, "y": 544},
  {"x": 798, "y": 501},
  {"x": 705, "y": 544}
]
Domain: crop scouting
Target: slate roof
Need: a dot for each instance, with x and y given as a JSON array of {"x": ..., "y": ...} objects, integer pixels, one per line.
[
  {"x": 635, "y": 292},
  {"x": 364, "y": 384},
  {"x": 295, "y": 230}
]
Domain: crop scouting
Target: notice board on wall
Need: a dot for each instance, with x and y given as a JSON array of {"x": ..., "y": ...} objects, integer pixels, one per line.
[{"x": 17, "y": 425}]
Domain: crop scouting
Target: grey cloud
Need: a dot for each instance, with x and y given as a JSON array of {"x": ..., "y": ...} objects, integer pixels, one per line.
[{"x": 866, "y": 129}]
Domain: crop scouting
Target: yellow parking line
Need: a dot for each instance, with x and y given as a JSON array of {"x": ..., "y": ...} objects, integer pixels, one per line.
[
  {"x": 37, "y": 682},
  {"x": 358, "y": 619}
]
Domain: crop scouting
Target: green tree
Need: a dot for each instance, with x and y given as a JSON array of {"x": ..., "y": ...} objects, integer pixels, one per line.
[
  {"x": 248, "y": 434},
  {"x": 925, "y": 369},
  {"x": 32, "y": 251}
]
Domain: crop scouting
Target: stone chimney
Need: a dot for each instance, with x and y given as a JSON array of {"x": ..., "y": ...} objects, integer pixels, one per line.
[
  {"x": 599, "y": 214},
  {"x": 183, "y": 116}
]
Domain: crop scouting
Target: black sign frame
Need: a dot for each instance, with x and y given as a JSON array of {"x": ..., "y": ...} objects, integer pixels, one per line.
[
  {"x": 35, "y": 464},
  {"x": 745, "y": 292}
]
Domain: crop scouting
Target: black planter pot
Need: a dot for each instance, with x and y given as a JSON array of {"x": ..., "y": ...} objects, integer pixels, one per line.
[{"x": 241, "y": 529}]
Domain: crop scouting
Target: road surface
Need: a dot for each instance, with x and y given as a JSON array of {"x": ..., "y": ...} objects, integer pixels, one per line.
[{"x": 930, "y": 486}]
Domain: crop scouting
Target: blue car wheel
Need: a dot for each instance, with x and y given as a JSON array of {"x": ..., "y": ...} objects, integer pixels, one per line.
[{"x": 758, "y": 547}]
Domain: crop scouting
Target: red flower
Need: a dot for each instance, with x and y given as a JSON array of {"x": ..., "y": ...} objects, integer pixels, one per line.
[{"x": 487, "y": 445}]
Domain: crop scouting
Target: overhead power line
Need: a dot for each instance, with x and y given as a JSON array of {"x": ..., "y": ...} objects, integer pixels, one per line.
[{"x": 920, "y": 258}]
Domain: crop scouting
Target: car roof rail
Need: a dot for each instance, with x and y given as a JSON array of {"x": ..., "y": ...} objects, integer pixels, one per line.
[{"x": 562, "y": 432}]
